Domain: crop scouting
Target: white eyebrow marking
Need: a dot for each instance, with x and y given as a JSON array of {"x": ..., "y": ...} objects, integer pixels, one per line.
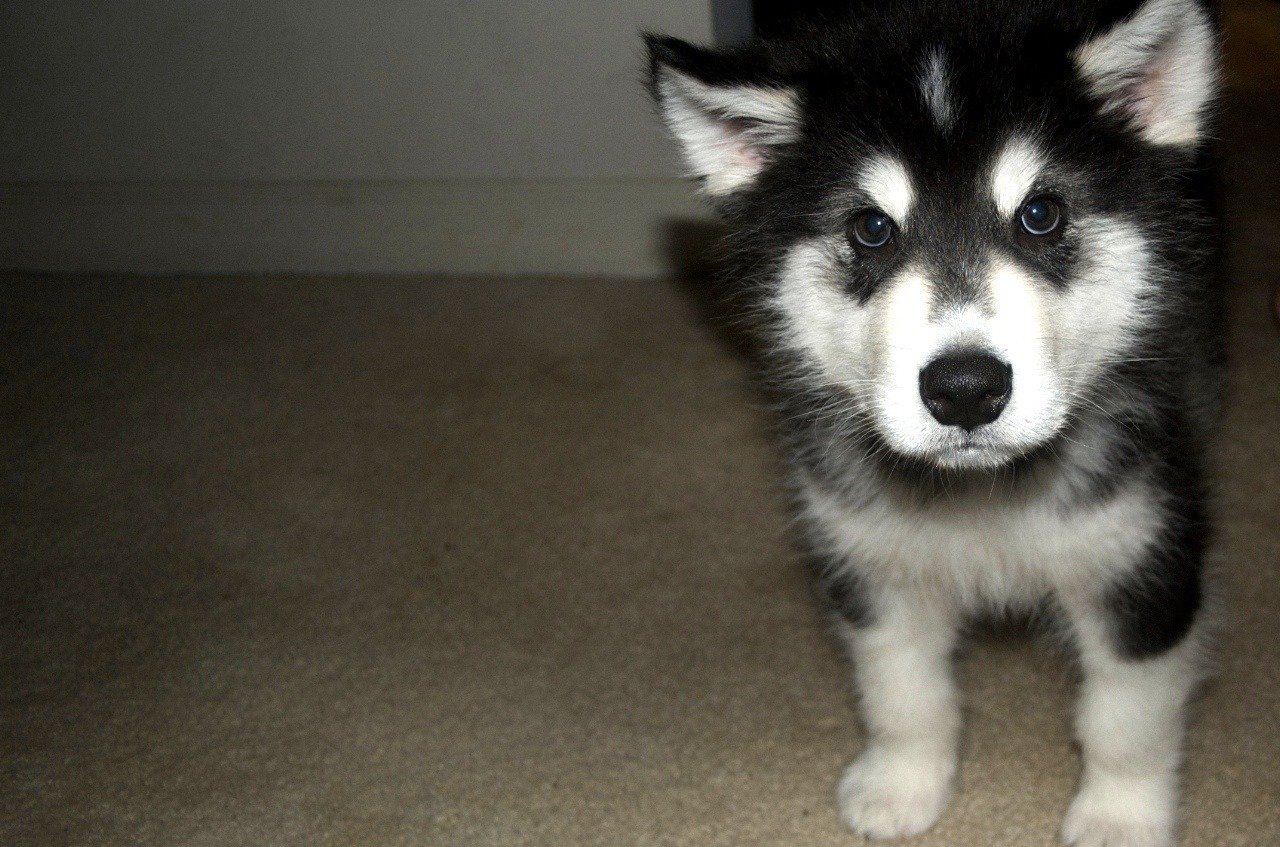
[
  {"x": 1014, "y": 174},
  {"x": 935, "y": 88},
  {"x": 886, "y": 180}
]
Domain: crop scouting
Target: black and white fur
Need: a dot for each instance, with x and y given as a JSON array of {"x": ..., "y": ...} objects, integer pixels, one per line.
[{"x": 1086, "y": 496}]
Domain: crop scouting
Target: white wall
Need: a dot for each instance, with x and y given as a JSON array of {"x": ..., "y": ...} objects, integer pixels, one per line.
[{"x": 313, "y": 135}]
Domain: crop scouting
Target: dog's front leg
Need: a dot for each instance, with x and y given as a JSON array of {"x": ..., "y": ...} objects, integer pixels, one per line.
[
  {"x": 1130, "y": 726},
  {"x": 901, "y": 654}
]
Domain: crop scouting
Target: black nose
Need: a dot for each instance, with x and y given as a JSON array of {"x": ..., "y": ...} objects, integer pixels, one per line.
[{"x": 966, "y": 389}]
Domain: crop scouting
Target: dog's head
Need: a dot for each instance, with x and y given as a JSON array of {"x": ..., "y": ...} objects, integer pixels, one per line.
[{"x": 964, "y": 211}]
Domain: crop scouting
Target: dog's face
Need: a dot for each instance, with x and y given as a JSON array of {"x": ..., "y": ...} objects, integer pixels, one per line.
[{"x": 963, "y": 231}]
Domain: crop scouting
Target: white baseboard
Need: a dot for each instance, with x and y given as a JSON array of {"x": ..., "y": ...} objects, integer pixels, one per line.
[{"x": 617, "y": 227}]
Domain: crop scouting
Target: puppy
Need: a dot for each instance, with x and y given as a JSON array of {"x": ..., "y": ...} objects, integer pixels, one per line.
[{"x": 981, "y": 241}]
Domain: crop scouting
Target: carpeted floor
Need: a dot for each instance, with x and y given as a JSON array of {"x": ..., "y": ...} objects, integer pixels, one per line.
[{"x": 429, "y": 562}]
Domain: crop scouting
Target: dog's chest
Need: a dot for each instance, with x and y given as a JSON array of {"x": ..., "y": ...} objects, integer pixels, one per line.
[{"x": 991, "y": 550}]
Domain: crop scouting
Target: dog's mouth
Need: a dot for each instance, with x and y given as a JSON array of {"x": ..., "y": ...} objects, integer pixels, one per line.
[
  {"x": 987, "y": 454},
  {"x": 928, "y": 446},
  {"x": 971, "y": 453},
  {"x": 980, "y": 450},
  {"x": 961, "y": 452}
]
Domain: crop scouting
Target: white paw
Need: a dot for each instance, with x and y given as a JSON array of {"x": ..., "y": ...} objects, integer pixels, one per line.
[
  {"x": 885, "y": 794},
  {"x": 1121, "y": 814}
]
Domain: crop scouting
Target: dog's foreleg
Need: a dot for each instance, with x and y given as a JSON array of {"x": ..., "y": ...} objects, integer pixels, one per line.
[
  {"x": 901, "y": 654},
  {"x": 1129, "y": 723}
]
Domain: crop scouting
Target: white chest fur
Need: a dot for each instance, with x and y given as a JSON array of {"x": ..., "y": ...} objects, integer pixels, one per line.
[{"x": 980, "y": 551}]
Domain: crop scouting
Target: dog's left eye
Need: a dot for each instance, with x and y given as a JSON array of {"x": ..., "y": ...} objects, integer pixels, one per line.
[
  {"x": 1040, "y": 216},
  {"x": 871, "y": 230}
]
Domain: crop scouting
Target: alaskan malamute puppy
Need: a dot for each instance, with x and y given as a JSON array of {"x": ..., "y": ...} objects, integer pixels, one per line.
[{"x": 981, "y": 239}]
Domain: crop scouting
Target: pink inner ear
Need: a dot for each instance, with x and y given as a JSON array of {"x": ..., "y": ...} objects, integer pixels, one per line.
[
  {"x": 745, "y": 153},
  {"x": 1145, "y": 94},
  {"x": 1140, "y": 104},
  {"x": 749, "y": 155}
]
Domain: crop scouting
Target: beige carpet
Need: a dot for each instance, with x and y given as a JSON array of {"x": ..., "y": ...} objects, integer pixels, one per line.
[{"x": 383, "y": 562}]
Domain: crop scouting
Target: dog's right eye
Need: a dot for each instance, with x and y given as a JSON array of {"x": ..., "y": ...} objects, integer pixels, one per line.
[
  {"x": 871, "y": 230},
  {"x": 1040, "y": 216}
]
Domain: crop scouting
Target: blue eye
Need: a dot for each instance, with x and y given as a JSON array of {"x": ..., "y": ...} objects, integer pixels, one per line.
[
  {"x": 871, "y": 230},
  {"x": 1040, "y": 216}
]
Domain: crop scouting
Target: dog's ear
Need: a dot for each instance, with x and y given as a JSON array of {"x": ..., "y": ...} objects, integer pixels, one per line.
[
  {"x": 1158, "y": 69},
  {"x": 728, "y": 112}
]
